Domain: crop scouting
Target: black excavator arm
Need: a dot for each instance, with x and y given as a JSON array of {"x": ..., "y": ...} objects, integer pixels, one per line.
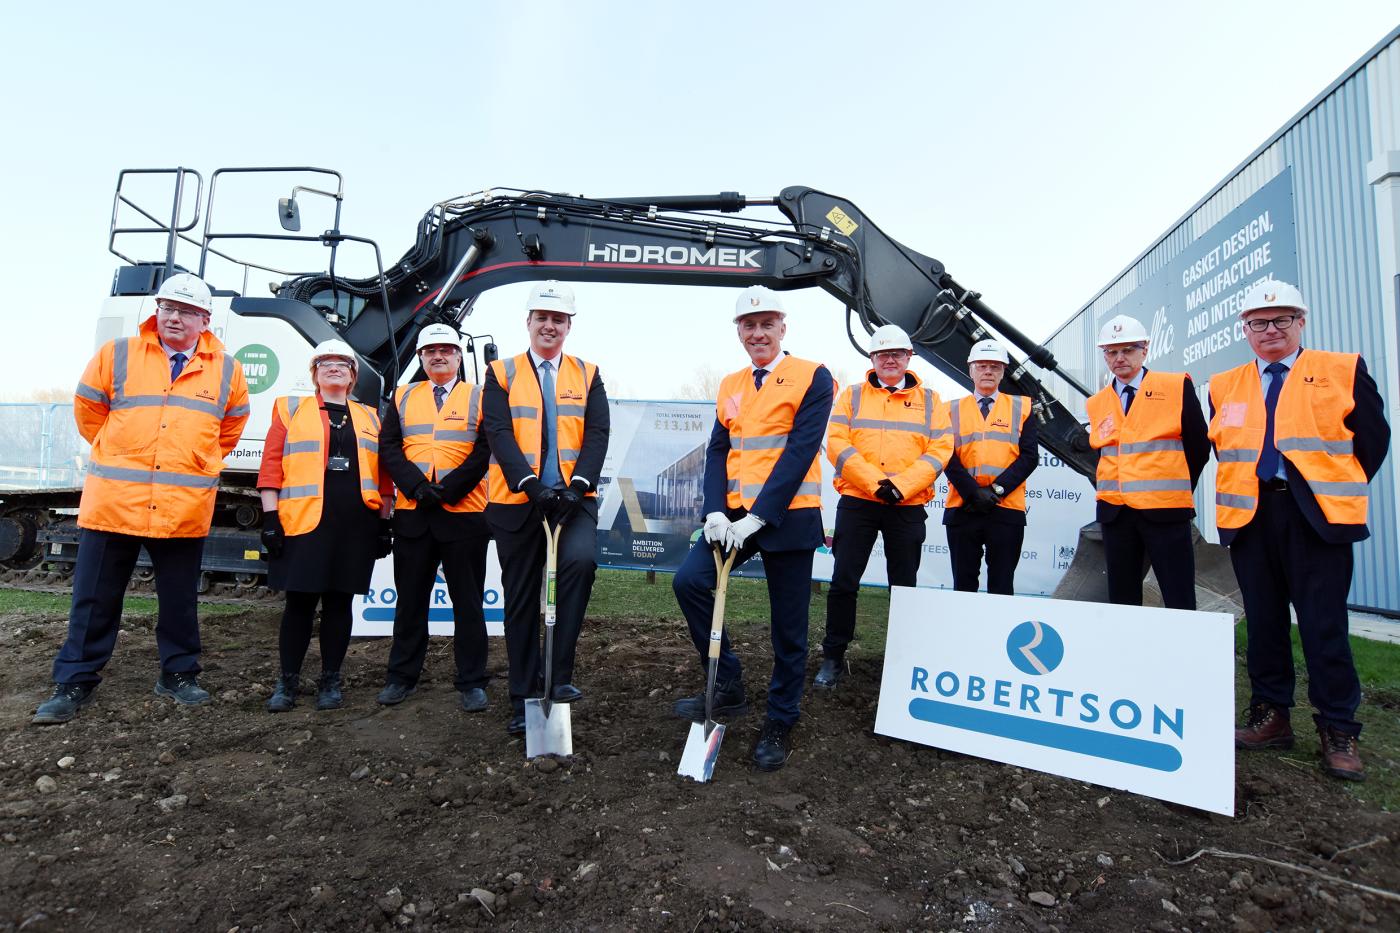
[{"x": 466, "y": 247}]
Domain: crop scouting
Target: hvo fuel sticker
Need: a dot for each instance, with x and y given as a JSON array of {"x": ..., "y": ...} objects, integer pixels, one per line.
[{"x": 259, "y": 367}]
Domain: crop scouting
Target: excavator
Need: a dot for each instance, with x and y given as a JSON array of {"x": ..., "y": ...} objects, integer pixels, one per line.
[{"x": 805, "y": 238}]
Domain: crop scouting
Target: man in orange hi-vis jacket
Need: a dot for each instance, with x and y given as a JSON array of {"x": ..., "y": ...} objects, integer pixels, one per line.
[{"x": 161, "y": 410}]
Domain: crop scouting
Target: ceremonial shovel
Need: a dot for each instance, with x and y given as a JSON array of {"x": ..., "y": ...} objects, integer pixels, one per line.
[
  {"x": 547, "y": 727},
  {"x": 702, "y": 745}
]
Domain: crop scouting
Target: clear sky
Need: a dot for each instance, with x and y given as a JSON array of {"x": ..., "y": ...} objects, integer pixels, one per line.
[{"x": 1035, "y": 148}]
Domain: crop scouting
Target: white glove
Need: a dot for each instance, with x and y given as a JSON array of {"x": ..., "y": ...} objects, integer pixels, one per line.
[
  {"x": 716, "y": 524},
  {"x": 740, "y": 531}
]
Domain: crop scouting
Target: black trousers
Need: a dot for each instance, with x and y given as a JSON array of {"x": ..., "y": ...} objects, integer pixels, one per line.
[
  {"x": 105, "y": 563},
  {"x": 1279, "y": 559},
  {"x": 463, "y": 561},
  {"x": 522, "y": 556},
  {"x": 858, "y": 521},
  {"x": 294, "y": 636},
  {"x": 973, "y": 535},
  {"x": 1128, "y": 538}
]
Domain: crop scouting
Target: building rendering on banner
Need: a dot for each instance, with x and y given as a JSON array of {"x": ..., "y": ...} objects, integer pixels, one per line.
[{"x": 1318, "y": 205}]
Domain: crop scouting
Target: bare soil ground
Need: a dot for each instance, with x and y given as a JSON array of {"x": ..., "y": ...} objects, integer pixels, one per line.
[{"x": 424, "y": 817}]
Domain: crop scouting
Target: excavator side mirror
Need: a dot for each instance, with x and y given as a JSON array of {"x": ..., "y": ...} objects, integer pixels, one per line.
[
  {"x": 289, "y": 214},
  {"x": 490, "y": 354}
]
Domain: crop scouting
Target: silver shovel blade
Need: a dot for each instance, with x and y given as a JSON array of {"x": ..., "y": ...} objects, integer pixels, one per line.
[
  {"x": 701, "y": 751},
  {"x": 548, "y": 730}
]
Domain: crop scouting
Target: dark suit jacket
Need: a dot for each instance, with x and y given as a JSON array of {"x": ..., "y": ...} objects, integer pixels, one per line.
[
  {"x": 1195, "y": 438},
  {"x": 1014, "y": 475},
  {"x": 1372, "y": 441},
  {"x": 786, "y": 529},
  {"x": 500, "y": 430},
  {"x": 415, "y": 521}
]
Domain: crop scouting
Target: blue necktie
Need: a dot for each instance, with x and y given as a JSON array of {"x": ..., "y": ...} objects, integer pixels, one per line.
[
  {"x": 986, "y": 405},
  {"x": 1267, "y": 467},
  {"x": 1129, "y": 393},
  {"x": 758, "y": 375},
  {"x": 549, "y": 469},
  {"x": 439, "y": 393},
  {"x": 177, "y": 365}
]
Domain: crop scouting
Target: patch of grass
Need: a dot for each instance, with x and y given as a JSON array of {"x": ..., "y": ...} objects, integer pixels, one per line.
[
  {"x": 59, "y": 604},
  {"x": 1378, "y": 667}
]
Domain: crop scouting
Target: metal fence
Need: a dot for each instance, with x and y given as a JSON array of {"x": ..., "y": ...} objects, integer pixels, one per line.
[{"x": 40, "y": 447}]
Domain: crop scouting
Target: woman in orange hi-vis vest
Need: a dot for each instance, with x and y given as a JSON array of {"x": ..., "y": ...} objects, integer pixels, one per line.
[
  {"x": 325, "y": 517},
  {"x": 1150, "y": 434},
  {"x": 1298, "y": 433}
]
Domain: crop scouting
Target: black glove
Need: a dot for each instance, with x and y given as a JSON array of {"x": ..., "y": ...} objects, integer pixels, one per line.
[
  {"x": 385, "y": 542},
  {"x": 569, "y": 501},
  {"x": 887, "y": 493},
  {"x": 428, "y": 495},
  {"x": 545, "y": 498},
  {"x": 984, "y": 500},
  {"x": 272, "y": 535}
]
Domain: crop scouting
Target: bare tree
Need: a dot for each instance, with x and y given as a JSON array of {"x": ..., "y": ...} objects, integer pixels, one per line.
[
  {"x": 704, "y": 384},
  {"x": 51, "y": 394}
]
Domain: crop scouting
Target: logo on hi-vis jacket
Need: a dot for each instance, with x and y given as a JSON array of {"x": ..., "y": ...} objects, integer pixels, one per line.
[{"x": 712, "y": 257}]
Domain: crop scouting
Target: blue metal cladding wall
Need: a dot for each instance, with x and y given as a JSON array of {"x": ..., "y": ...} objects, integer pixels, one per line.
[{"x": 1328, "y": 147}]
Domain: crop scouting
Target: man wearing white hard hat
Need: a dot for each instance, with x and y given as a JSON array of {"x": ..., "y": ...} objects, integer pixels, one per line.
[
  {"x": 161, "y": 410},
  {"x": 996, "y": 448},
  {"x": 1150, "y": 434},
  {"x": 1298, "y": 434},
  {"x": 762, "y": 492},
  {"x": 432, "y": 446},
  {"x": 547, "y": 418},
  {"x": 888, "y": 439}
]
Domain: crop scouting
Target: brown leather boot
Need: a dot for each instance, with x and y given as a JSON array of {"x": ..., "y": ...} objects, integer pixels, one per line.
[
  {"x": 1341, "y": 757},
  {"x": 1266, "y": 727}
]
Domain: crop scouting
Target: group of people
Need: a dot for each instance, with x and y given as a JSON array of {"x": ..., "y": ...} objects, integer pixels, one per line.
[{"x": 1298, "y": 435}]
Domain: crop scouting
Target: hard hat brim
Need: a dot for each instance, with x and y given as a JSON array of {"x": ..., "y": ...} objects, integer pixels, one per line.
[{"x": 778, "y": 311}]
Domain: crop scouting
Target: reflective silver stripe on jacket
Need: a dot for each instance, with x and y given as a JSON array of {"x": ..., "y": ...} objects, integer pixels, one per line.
[
  {"x": 874, "y": 424},
  {"x": 1156, "y": 485},
  {"x": 1151, "y": 447},
  {"x": 290, "y": 447},
  {"x": 368, "y": 485},
  {"x": 934, "y": 461},
  {"x": 239, "y": 411},
  {"x": 774, "y": 442},
  {"x": 413, "y": 430},
  {"x": 299, "y": 492},
  {"x": 463, "y": 436},
  {"x": 120, "y": 350},
  {"x": 1236, "y": 455},
  {"x": 529, "y": 459},
  {"x": 1017, "y": 403},
  {"x": 226, "y": 383},
  {"x": 367, "y": 444},
  {"x": 987, "y": 436},
  {"x": 152, "y": 477},
  {"x": 91, "y": 394},
  {"x": 803, "y": 489},
  {"x": 1337, "y": 489},
  {"x": 174, "y": 401},
  {"x": 568, "y": 454},
  {"x": 1235, "y": 502},
  {"x": 1315, "y": 444},
  {"x": 570, "y": 411},
  {"x": 524, "y": 411},
  {"x": 293, "y": 403},
  {"x": 843, "y": 457},
  {"x": 985, "y": 470}
]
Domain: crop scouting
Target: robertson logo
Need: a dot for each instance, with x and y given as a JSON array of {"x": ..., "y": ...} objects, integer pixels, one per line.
[
  {"x": 1035, "y": 648},
  {"x": 714, "y": 257}
]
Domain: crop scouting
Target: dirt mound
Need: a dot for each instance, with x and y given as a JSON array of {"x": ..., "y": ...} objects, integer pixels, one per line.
[{"x": 142, "y": 816}]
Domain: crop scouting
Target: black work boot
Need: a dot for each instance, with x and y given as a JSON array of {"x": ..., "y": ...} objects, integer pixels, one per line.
[
  {"x": 329, "y": 696},
  {"x": 729, "y": 701},
  {"x": 182, "y": 687},
  {"x": 63, "y": 705},
  {"x": 284, "y": 695},
  {"x": 773, "y": 746},
  {"x": 830, "y": 673}
]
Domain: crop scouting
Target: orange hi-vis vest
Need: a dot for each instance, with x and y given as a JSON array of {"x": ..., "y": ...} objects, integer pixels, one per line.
[
  {"x": 157, "y": 445},
  {"x": 758, "y": 422},
  {"x": 1316, "y": 397},
  {"x": 988, "y": 446},
  {"x": 304, "y": 460},
  {"x": 571, "y": 384},
  {"x": 902, "y": 436},
  {"x": 1142, "y": 461},
  {"x": 437, "y": 441}
]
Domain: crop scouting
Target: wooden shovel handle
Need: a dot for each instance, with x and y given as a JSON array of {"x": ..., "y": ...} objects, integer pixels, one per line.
[{"x": 722, "y": 568}]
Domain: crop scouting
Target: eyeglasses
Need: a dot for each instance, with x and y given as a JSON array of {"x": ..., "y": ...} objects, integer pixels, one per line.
[
  {"x": 182, "y": 311},
  {"x": 1281, "y": 323},
  {"x": 1112, "y": 352},
  {"x": 332, "y": 364},
  {"x": 891, "y": 354}
]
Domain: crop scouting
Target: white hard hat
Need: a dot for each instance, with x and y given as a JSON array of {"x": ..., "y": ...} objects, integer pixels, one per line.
[
  {"x": 438, "y": 333},
  {"x": 1122, "y": 329},
  {"x": 187, "y": 289},
  {"x": 1271, "y": 293},
  {"x": 335, "y": 347},
  {"x": 988, "y": 351},
  {"x": 889, "y": 337},
  {"x": 551, "y": 296},
  {"x": 756, "y": 299}
]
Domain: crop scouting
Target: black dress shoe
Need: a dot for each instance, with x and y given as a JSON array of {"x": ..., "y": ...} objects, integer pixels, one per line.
[
  {"x": 393, "y": 693},
  {"x": 830, "y": 673},
  {"x": 566, "y": 693},
  {"x": 773, "y": 746},
  {"x": 474, "y": 700},
  {"x": 516, "y": 726},
  {"x": 729, "y": 701}
]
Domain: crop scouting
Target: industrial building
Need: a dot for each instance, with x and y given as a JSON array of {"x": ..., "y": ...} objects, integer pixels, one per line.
[{"x": 1318, "y": 204}]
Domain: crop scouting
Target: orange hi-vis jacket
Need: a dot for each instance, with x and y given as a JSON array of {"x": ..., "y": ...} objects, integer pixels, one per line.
[
  {"x": 758, "y": 422},
  {"x": 300, "y": 497},
  {"x": 571, "y": 385},
  {"x": 988, "y": 446},
  {"x": 1316, "y": 397},
  {"x": 437, "y": 441},
  {"x": 157, "y": 446},
  {"x": 1142, "y": 461},
  {"x": 902, "y": 436}
]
